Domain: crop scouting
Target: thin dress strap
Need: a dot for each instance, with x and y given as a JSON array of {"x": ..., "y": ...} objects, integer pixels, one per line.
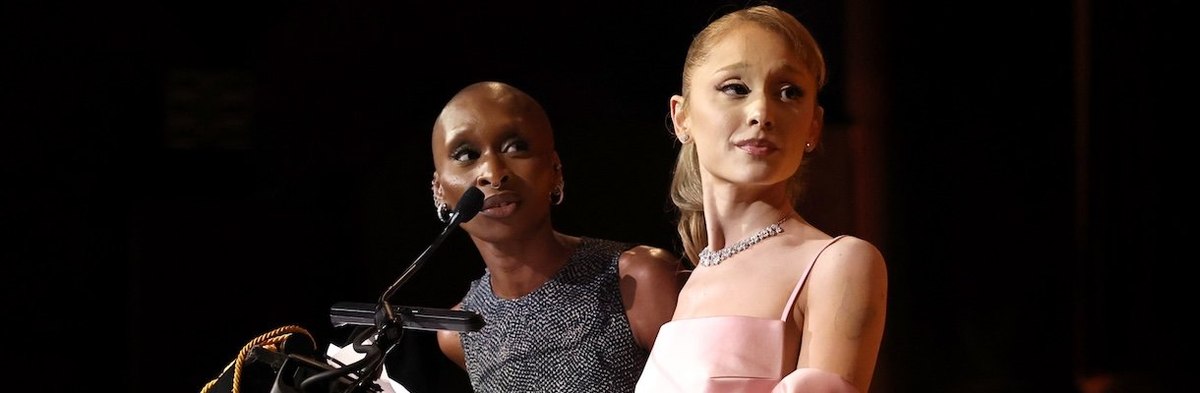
[{"x": 796, "y": 291}]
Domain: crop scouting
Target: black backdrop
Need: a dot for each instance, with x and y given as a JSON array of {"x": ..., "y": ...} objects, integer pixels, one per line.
[{"x": 184, "y": 176}]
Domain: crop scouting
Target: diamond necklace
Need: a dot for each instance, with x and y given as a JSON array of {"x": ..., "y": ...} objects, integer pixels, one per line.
[{"x": 714, "y": 258}]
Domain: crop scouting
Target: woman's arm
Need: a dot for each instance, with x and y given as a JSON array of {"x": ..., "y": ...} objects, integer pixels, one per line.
[
  {"x": 649, "y": 289},
  {"x": 451, "y": 345},
  {"x": 844, "y": 311}
]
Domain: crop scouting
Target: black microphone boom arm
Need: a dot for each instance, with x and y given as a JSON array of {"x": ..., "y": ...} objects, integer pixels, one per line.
[
  {"x": 468, "y": 206},
  {"x": 421, "y": 318}
]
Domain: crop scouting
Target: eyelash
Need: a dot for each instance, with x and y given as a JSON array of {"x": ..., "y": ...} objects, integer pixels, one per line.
[
  {"x": 743, "y": 90},
  {"x": 515, "y": 144},
  {"x": 458, "y": 152}
]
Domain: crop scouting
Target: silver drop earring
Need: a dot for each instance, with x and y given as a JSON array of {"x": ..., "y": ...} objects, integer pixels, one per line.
[{"x": 558, "y": 194}]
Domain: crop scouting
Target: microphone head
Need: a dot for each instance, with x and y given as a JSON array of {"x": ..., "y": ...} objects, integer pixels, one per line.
[{"x": 469, "y": 205}]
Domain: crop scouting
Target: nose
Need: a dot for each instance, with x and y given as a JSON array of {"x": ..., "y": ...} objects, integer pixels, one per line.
[
  {"x": 493, "y": 173},
  {"x": 760, "y": 113}
]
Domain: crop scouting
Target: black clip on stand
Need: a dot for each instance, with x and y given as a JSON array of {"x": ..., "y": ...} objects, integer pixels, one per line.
[{"x": 379, "y": 327}]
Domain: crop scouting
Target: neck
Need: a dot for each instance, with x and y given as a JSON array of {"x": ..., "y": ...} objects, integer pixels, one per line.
[
  {"x": 733, "y": 213},
  {"x": 520, "y": 266},
  {"x": 710, "y": 257},
  {"x": 731, "y": 224}
]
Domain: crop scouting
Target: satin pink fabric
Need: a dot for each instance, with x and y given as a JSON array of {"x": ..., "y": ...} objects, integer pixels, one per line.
[{"x": 732, "y": 354}]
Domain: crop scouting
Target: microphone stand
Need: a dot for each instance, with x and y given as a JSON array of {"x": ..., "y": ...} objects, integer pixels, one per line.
[
  {"x": 388, "y": 327},
  {"x": 385, "y": 317}
]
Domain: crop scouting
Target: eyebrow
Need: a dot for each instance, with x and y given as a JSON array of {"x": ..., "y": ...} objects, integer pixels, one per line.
[
  {"x": 787, "y": 67},
  {"x": 460, "y": 136},
  {"x": 734, "y": 66},
  {"x": 455, "y": 136}
]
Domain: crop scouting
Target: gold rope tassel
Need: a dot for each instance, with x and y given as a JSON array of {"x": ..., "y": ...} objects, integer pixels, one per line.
[{"x": 268, "y": 340}]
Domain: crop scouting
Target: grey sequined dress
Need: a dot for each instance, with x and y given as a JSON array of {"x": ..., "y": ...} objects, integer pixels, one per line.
[{"x": 570, "y": 335}]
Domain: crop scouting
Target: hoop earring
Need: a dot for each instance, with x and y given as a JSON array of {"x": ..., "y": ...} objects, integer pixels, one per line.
[
  {"x": 558, "y": 194},
  {"x": 439, "y": 204},
  {"x": 443, "y": 210}
]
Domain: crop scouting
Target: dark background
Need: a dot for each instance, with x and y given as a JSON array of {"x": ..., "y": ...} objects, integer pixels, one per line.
[{"x": 181, "y": 177}]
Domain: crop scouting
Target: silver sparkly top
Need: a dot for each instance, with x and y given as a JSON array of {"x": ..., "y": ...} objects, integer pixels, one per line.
[{"x": 570, "y": 335}]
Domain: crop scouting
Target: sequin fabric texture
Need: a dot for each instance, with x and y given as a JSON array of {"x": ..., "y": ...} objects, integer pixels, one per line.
[{"x": 570, "y": 335}]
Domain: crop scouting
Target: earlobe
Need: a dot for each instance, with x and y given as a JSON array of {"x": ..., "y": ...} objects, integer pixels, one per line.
[
  {"x": 818, "y": 124},
  {"x": 814, "y": 131},
  {"x": 819, "y": 119},
  {"x": 679, "y": 119}
]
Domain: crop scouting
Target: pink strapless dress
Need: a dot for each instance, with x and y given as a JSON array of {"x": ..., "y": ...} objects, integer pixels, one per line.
[{"x": 732, "y": 354}]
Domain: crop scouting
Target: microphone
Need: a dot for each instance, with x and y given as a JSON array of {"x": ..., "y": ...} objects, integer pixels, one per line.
[
  {"x": 468, "y": 206},
  {"x": 354, "y": 313},
  {"x": 377, "y": 342}
]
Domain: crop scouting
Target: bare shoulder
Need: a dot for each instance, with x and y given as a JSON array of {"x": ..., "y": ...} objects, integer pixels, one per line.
[
  {"x": 850, "y": 262},
  {"x": 854, "y": 254},
  {"x": 648, "y": 260},
  {"x": 654, "y": 271}
]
